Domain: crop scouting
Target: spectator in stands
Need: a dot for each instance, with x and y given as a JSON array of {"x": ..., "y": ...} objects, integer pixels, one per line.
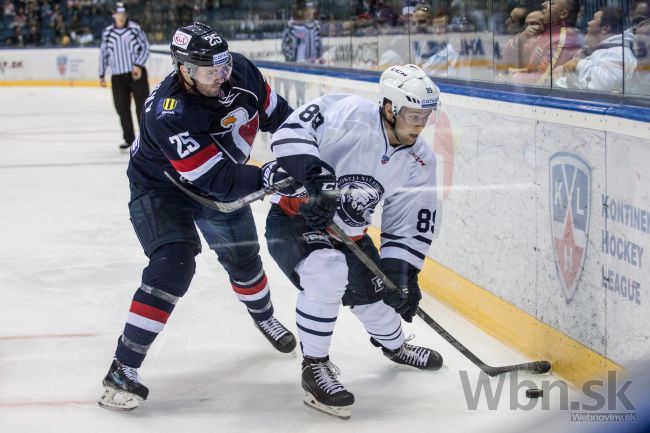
[
  {"x": 396, "y": 50},
  {"x": 9, "y": 9},
  {"x": 421, "y": 20},
  {"x": 639, "y": 14},
  {"x": 61, "y": 34},
  {"x": 385, "y": 15},
  {"x": 516, "y": 52},
  {"x": 467, "y": 16},
  {"x": 85, "y": 37},
  {"x": 301, "y": 41},
  {"x": 640, "y": 11},
  {"x": 558, "y": 44},
  {"x": 34, "y": 36},
  {"x": 16, "y": 39},
  {"x": 46, "y": 11},
  {"x": 516, "y": 21},
  {"x": 639, "y": 84},
  {"x": 20, "y": 20},
  {"x": 606, "y": 58}
]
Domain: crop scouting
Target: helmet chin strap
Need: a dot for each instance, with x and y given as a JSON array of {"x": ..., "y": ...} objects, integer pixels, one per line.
[{"x": 393, "y": 125}]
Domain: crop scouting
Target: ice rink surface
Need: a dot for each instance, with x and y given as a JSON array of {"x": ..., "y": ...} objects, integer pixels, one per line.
[{"x": 70, "y": 263}]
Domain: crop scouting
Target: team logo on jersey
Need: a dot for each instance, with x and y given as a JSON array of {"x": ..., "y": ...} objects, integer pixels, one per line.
[
  {"x": 169, "y": 104},
  {"x": 359, "y": 194},
  {"x": 168, "y": 107},
  {"x": 240, "y": 131},
  {"x": 570, "y": 192}
]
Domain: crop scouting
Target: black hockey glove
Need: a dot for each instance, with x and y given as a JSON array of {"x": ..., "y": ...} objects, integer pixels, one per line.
[
  {"x": 403, "y": 275},
  {"x": 272, "y": 173},
  {"x": 320, "y": 208}
]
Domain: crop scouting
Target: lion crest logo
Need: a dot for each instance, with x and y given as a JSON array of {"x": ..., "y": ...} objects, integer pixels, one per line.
[{"x": 359, "y": 195}]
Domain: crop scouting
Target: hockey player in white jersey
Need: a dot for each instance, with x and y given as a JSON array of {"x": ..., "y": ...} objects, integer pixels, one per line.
[{"x": 372, "y": 155}]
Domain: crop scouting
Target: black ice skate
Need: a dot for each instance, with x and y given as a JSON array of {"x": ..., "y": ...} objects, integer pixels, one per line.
[
  {"x": 277, "y": 334},
  {"x": 125, "y": 146},
  {"x": 122, "y": 388},
  {"x": 324, "y": 392},
  {"x": 414, "y": 356}
]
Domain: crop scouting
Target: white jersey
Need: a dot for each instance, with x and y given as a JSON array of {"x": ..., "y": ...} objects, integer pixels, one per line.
[{"x": 347, "y": 133}]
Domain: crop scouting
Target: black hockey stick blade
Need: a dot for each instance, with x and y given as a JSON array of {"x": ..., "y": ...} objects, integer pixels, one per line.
[
  {"x": 537, "y": 367},
  {"x": 232, "y": 206}
]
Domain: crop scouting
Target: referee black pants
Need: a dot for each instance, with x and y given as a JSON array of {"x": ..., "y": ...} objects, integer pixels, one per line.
[{"x": 123, "y": 86}]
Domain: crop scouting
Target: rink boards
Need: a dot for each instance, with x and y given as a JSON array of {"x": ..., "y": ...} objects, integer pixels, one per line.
[
  {"x": 544, "y": 212},
  {"x": 543, "y": 223}
]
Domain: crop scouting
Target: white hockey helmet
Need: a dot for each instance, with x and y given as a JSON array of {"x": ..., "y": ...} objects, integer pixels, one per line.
[{"x": 409, "y": 86}]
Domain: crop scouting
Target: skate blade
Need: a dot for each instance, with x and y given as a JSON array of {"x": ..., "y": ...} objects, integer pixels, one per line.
[
  {"x": 343, "y": 412},
  {"x": 118, "y": 400}
]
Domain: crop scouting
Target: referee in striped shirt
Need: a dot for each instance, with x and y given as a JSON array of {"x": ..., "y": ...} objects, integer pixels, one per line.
[{"x": 124, "y": 48}]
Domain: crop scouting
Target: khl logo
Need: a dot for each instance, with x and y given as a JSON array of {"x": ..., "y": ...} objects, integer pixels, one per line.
[
  {"x": 61, "y": 63},
  {"x": 570, "y": 192}
]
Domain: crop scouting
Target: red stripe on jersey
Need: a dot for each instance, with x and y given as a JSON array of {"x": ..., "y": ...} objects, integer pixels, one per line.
[
  {"x": 251, "y": 290},
  {"x": 195, "y": 161},
  {"x": 267, "y": 100},
  {"x": 149, "y": 312}
]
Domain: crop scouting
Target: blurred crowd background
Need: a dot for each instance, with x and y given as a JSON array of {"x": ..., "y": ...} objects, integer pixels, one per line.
[{"x": 588, "y": 45}]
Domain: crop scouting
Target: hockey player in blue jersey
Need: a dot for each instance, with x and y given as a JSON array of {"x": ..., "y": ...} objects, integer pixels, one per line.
[
  {"x": 372, "y": 155},
  {"x": 199, "y": 124}
]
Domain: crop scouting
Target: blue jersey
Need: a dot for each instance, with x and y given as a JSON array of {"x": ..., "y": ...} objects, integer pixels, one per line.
[{"x": 206, "y": 140}]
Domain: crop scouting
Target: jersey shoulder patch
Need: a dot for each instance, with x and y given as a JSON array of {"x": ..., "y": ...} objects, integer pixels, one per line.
[{"x": 169, "y": 106}]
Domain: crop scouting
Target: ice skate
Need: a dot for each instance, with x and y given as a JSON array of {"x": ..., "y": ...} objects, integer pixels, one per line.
[
  {"x": 414, "y": 356},
  {"x": 324, "y": 392},
  {"x": 122, "y": 388},
  {"x": 277, "y": 334}
]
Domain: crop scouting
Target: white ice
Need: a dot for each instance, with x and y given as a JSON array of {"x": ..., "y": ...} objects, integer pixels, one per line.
[{"x": 69, "y": 265}]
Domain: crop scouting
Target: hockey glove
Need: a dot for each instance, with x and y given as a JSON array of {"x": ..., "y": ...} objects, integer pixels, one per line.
[
  {"x": 272, "y": 173},
  {"x": 320, "y": 208},
  {"x": 403, "y": 275}
]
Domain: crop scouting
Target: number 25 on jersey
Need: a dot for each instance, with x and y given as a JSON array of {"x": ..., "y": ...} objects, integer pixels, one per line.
[{"x": 184, "y": 143}]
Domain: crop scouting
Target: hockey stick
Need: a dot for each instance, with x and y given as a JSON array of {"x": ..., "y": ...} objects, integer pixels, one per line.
[
  {"x": 232, "y": 206},
  {"x": 537, "y": 367}
]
